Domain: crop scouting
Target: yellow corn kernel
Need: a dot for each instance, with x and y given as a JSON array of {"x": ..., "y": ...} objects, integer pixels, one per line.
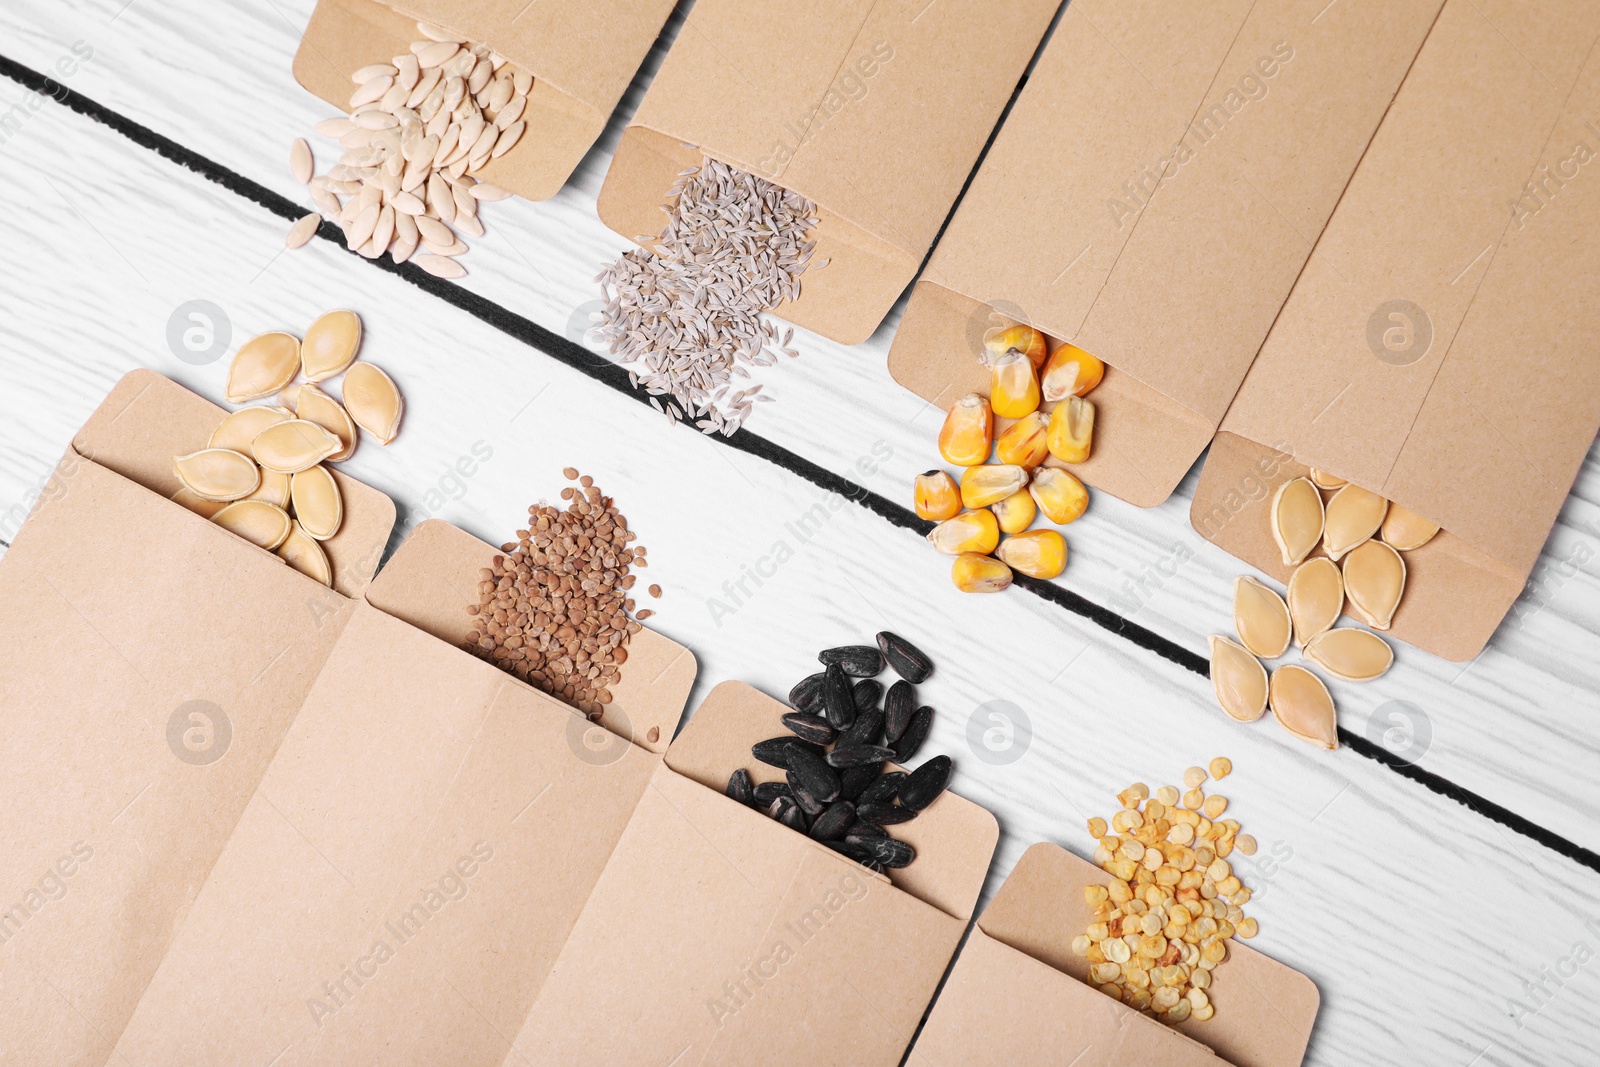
[
  {"x": 968, "y": 431},
  {"x": 1059, "y": 494},
  {"x": 1025, "y": 442},
  {"x": 982, "y": 486},
  {"x": 1037, "y": 553},
  {"x": 1071, "y": 430},
  {"x": 937, "y": 497},
  {"x": 1025, "y": 339},
  {"x": 976, "y": 573},
  {"x": 1015, "y": 513},
  {"x": 970, "y": 531},
  {"x": 1070, "y": 372},
  {"x": 1013, "y": 386}
]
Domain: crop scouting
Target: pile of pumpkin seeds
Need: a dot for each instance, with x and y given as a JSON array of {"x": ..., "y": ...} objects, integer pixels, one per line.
[
  {"x": 420, "y": 127},
  {"x": 835, "y": 788},
  {"x": 554, "y": 610},
  {"x": 1161, "y": 925},
  {"x": 261, "y": 475},
  {"x": 1362, "y": 538}
]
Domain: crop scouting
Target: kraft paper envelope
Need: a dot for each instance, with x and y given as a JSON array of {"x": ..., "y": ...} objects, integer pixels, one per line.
[
  {"x": 582, "y": 55},
  {"x": 1151, "y": 198},
  {"x": 1440, "y": 347},
  {"x": 874, "y": 109},
  {"x": 1018, "y": 993},
  {"x": 717, "y": 935}
]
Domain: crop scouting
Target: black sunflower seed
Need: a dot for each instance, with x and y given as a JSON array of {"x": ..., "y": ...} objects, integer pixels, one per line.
[
  {"x": 767, "y": 792},
  {"x": 837, "y": 697},
  {"x": 804, "y": 797},
  {"x": 789, "y": 813},
  {"x": 888, "y": 851},
  {"x": 739, "y": 787},
  {"x": 775, "y": 751},
  {"x": 883, "y": 790},
  {"x": 860, "y": 661},
  {"x": 813, "y": 728},
  {"x": 859, "y": 829},
  {"x": 916, "y": 733},
  {"x": 833, "y": 822},
  {"x": 925, "y": 783},
  {"x": 884, "y": 814},
  {"x": 853, "y": 780},
  {"x": 856, "y": 851},
  {"x": 814, "y": 775},
  {"x": 807, "y": 693},
  {"x": 859, "y": 755},
  {"x": 867, "y": 691},
  {"x": 907, "y": 659},
  {"x": 898, "y": 707},
  {"x": 866, "y": 730}
]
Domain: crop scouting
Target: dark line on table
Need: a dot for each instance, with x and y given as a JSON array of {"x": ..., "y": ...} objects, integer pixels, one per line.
[{"x": 608, "y": 373}]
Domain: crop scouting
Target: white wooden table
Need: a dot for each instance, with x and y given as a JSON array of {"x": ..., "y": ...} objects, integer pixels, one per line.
[{"x": 1424, "y": 922}]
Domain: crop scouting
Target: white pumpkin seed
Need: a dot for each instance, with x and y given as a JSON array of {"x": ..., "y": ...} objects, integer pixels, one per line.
[
  {"x": 302, "y": 231},
  {"x": 1302, "y": 705},
  {"x": 1238, "y": 679},
  {"x": 407, "y": 71},
  {"x": 1316, "y": 597},
  {"x": 313, "y": 405},
  {"x": 369, "y": 72},
  {"x": 383, "y": 232},
  {"x": 360, "y": 231},
  {"x": 262, "y": 366},
  {"x": 263, "y": 525},
  {"x": 1353, "y": 516},
  {"x": 1354, "y": 655},
  {"x": 1405, "y": 530},
  {"x": 293, "y": 446},
  {"x": 196, "y": 503},
  {"x": 1374, "y": 580},
  {"x": 330, "y": 345},
  {"x": 436, "y": 33},
  {"x": 1260, "y": 618},
  {"x": 508, "y": 139},
  {"x": 334, "y": 127},
  {"x": 317, "y": 503},
  {"x": 440, "y": 266},
  {"x": 372, "y": 398},
  {"x": 485, "y": 191},
  {"x": 239, "y": 428},
  {"x": 302, "y": 552},
  {"x": 435, "y": 53},
  {"x": 405, "y": 237},
  {"x": 1296, "y": 519},
  {"x": 371, "y": 91},
  {"x": 301, "y": 163},
  {"x": 408, "y": 204}
]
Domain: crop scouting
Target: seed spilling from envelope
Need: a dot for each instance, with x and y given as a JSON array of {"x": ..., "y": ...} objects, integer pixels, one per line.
[
  {"x": 263, "y": 365},
  {"x": 1353, "y": 516},
  {"x": 293, "y": 446},
  {"x": 1374, "y": 580},
  {"x": 330, "y": 345},
  {"x": 1296, "y": 519},
  {"x": 302, "y": 552},
  {"x": 373, "y": 401},
  {"x": 258, "y": 522},
  {"x": 1354, "y": 655},
  {"x": 1071, "y": 433},
  {"x": 1260, "y": 618},
  {"x": 1239, "y": 680},
  {"x": 313, "y": 405},
  {"x": 317, "y": 503},
  {"x": 982, "y": 486},
  {"x": 218, "y": 474},
  {"x": 1316, "y": 597},
  {"x": 1302, "y": 705},
  {"x": 1405, "y": 530},
  {"x": 241, "y": 427}
]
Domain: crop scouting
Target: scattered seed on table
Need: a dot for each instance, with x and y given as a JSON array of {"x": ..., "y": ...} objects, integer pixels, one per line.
[
  {"x": 302, "y": 231},
  {"x": 655, "y": 591}
]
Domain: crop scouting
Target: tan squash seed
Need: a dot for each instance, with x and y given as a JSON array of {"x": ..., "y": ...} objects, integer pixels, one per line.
[
  {"x": 237, "y": 430},
  {"x": 1351, "y": 654},
  {"x": 218, "y": 474},
  {"x": 317, "y": 503},
  {"x": 373, "y": 401},
  {"x": 1405, "y": 530},
  {"x": 274, "y": 489},
  {"x": 1296, "y": 519},
  {"x": 1324, "y": 480},
  {"x": 1316, "y": 597},
  {"x": 196, "y": 503},
  {"x": 1353, "y": 516},
  {"x": 330, "y": 344},
  {"x": 313, "y": 405},
  {"x": 1260, "y": 618},
  {"x": 1302, "y": 705},
  {"x": 301, "y": 551},
  {"x": 256, "y": 521},
  {"x": 1374, "y": 580},
  {"x": 293, "y": 446},
  {"x": 262, "y": 366},
  {"x": 1239, "y": 680}
]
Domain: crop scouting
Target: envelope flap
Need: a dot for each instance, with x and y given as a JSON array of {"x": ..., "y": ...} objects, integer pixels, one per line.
[
  {"x": 1265, "y": 1010},
  {"x": 433, "y": 577},
  {"x": 147, "y": 419},
  {"x": 954, "y": 838}
]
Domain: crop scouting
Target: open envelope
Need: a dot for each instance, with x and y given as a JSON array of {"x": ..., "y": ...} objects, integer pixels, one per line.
[
  {"x": 1151, "y": 198},
  {"x": 582, "y": 55},
  {"x": 1019, "y": 995}
]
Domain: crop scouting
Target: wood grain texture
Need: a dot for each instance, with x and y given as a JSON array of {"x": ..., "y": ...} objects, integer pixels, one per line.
[{"x": 1418, "y": 919}]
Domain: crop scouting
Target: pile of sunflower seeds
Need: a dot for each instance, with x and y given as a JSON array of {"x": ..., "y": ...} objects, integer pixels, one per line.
[
  {"x": 835, "y": 788},
  {"x": 684, "y": 312},
  {"x": 555, "y": 609}
]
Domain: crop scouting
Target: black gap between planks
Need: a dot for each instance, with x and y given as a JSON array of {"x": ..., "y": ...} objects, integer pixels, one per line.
[{"x": 602, "y": 370}]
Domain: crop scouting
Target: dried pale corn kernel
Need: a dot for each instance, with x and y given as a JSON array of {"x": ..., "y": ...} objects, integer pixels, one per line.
[
  {"x": 1302, "y": 705},
  {"x": 1316, "y": 597},
  {"x": 1071, "y": 434},
  {"x": 262, "y": 366},
  {"x": 974, "y": 573},
  {"x": 1070, "y": 372},
  {"x": 1296, "y": 519},
  {"x": 937, "y": 496},
  {"x": 256, "y": 521},
  {"x": 968, "y": 431},
  {"x": 1374, "y": 580},
  {"x": 237, "y": 430},
  {"x": 1404, "y": 529},
  {"x": 1059, "y": 494},
  {"x": 1354, "y": 655},
  {"x": 1260, "y": 618},
  {"x": 1013, "y": 386},
  {"x": 982, "y": 486},
  {"x": 1025, "y": 442},
  {"x": 218, "y": 474},
  {"x": 1025, "y": 339},
  {"x": 1220, "y": 767},
  {"x": 1037, "y": 553},
  {"x": 1016, "y": 512},
  {"x": 330, "y": 345},
  {"x": 1324, "y": 480},
  {"x": 970, "y": 531},
  {"x": 1352, "y": 516},
  {"x": 1239, "y": 680}
]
